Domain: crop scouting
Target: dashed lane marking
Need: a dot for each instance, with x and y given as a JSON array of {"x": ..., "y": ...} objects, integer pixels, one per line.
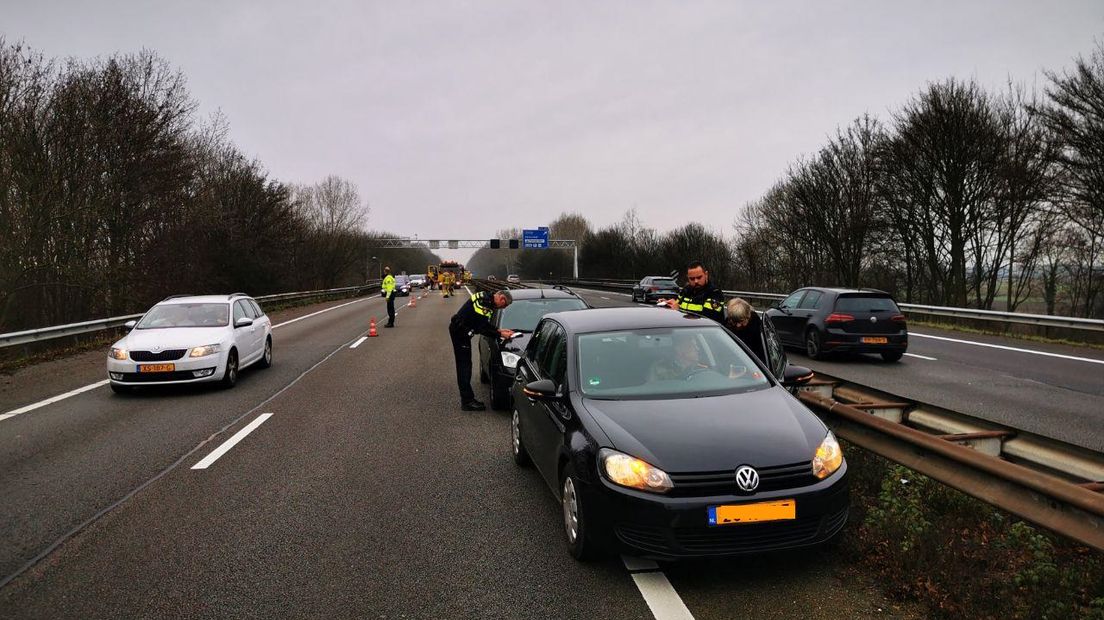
[
  {"x": 658, "y": 593},
  {"x": 923, "y": 357},
  {"x": 358, "y": 341},
  {"x": 230, "y": 443}
]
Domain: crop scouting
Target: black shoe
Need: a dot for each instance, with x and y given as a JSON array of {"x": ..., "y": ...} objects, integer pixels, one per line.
[
  {"x": 389, "y": 325},
  {"x": 473, "y": 405}
]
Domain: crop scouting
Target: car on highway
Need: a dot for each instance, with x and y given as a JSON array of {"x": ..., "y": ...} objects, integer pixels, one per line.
[
  {"x": 825, "y": 320},
  {"x": 662, "y": 436},
  {"x": 653, "y": 288},
  {"x": 513, "y": 278},
  {"x": 192, "y": 339},
  {"x": 498, "y": 359},
  {"x": 418, "y": 280},
  {"x": 402, "y": 285}
]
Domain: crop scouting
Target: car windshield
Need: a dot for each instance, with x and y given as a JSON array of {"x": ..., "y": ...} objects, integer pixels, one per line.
[
  {"x": 186, "y": 315},
  {"x": 524, "y": 314},
  {"x": 664, "y": 283},
  {"x": 663, "y": 363},
  {"x": 865, "y": 303}
]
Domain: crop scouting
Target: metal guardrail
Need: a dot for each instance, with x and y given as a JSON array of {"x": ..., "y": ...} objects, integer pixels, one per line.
[
  {"x": 85, "y": 327},
  {"x": 1054, "y": 485},
  {"x": 1041, "y": 320}
]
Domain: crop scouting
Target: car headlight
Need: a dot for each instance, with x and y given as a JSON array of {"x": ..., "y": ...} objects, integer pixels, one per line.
[
  {"x": 118, "y": 353},
  {"x": 629, "y": 471},
  {"x": 828, "y": 457},
  {"x": 510, "y": 360},
  {"x": 205, "y": 350}
]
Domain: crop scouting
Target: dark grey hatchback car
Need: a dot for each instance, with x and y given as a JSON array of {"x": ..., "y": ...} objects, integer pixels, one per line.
[
  {"x": 661, "y": 435},
  {"x": 823, "y": 320}
]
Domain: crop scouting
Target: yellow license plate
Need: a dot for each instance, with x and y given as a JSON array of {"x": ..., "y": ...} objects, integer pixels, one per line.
[
  {"x": 780, "y": 510},
  {"x": 157, "y": 368},
  {"x": 875, "y": 340}
]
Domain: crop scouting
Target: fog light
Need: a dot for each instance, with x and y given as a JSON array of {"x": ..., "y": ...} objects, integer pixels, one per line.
[
  {"x": 206, "y": 372},
  {"x": 118, "y": 376}
]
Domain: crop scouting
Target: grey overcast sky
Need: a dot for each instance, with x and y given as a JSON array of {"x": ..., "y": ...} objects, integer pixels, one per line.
[{"x": 459, "y": 118}]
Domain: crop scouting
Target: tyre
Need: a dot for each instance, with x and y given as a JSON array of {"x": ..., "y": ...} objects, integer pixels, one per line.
[
  {"x": 230, "y": 375},
  {"x": 579, "y": 532},
  {"x": 500, "y": 396},
  {"x": 521, "y": 455},
  {"x": 266, "y": 359},
  {"x": 892, "y": 356},
  {"x": 813, "y": 344},
  {"x": 121, "y": 389}
]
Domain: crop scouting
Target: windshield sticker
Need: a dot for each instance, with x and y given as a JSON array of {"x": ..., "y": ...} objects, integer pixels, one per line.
[{"x": 594, "y": 381}]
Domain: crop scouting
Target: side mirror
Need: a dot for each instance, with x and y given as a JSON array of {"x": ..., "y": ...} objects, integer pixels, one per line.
[
  {"x": 543, "y": 389},
  {"x": 796, "y": 376},
  {"x": 130, "y": 324},
  {"x": 243, "y": 322}
]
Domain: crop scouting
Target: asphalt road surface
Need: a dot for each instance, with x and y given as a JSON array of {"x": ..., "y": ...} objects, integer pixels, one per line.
[
  {"x": 357, "y": 488},
  {"x": 1052, "y": 390}
]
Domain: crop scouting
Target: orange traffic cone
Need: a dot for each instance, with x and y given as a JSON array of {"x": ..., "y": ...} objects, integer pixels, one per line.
[
  {"x": 372, "y": 328},
  {"x": 413, "y": 301}
]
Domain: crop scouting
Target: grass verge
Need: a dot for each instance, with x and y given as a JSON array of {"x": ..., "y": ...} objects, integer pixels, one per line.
[{"x": 960, "y": 557}]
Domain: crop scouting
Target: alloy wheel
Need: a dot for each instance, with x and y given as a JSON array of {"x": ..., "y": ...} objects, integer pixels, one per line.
[
  {"x": 570, "y": 510},
  {"x": 515, "y": 426}
]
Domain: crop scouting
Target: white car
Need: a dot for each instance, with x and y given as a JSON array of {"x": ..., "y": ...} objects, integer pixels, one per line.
[
  {"x": 513, "y": 278},
  {"x": 192, "y": 339}
]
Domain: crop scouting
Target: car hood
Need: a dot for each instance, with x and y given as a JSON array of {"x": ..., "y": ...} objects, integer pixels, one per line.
[
  {"x": 765, "y": 428},
  {"x": 173, "y": 338}
]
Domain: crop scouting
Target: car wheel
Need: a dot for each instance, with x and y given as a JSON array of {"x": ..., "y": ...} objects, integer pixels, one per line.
[
  {"x": 521, "y": 455},
  {"x": 121, "y": 389},
  {"x": 581, "y": 540},
  {"x": 812, "y": 344},
  {"x": 892, "y": 356},
  {"x": 230, "y": 375},
  {"x": 500, "y": 396},
  {"x": 266, "y": 359}
]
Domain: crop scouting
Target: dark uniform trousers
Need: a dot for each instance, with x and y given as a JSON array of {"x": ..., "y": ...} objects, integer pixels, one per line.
[
  {"x": 462, "y": 350},
  {"x": 391, "y": 308}
]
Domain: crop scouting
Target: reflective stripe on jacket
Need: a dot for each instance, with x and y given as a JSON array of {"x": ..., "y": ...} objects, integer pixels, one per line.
[
  {"x": 707, "y": 301},
  {"x": 388, "y": 285}
]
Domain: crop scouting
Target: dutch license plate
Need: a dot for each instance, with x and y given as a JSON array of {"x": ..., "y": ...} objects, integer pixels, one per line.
[
  {"x": 780, "y": 510},
  {"x": 875, "y": 340},
  {"x": 156, "y": 367}
]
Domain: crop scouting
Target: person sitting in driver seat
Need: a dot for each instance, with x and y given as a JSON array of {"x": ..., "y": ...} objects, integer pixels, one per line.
[{"x": 687, "y": 360}]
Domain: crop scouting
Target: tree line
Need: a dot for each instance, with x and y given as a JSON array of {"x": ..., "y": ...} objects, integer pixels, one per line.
[
  {"x": 114, "y": 195},
  {"x": 962, "y": 197}
]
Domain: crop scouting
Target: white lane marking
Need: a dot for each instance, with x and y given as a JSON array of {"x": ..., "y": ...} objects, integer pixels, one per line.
[
  {"x": 307, "y": 316},
  {"x": 357, "y": 343},
  {"x": 48, "y": 401},
  {"x": 606, "y": 298},
  {"x": 1004, "y": 348},
  {"x": 658, "y": 593},
  {"x": 923, "y": 357},
  {"x": 92, "y": 386},
  {"x": 230, "y": 443}
]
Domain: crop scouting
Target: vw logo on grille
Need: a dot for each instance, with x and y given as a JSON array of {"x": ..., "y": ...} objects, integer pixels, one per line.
[
  {"x": 747, "y": 478},
  {"x": 873, "y": 319}
]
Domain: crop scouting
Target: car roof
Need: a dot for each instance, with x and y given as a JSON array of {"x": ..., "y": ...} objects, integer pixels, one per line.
[
  {"x": 539, "y": 293},
  {"x": 848, "y": 291},
  {"x": 610, "y": 319},
  {"x": 202, "y": 299}
]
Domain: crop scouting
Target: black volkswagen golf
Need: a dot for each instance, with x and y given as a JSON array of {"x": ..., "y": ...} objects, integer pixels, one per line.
[{"x": 661, "y": 435}]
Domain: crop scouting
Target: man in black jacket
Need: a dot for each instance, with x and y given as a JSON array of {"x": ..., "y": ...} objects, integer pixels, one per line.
[
  {"x": 474, "y": 317},
  {"x": 748, "y": 327},
  {"x": 699, "y": 296}
]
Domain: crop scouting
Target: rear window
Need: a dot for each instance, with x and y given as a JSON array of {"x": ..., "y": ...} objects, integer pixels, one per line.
[
  {"x": 524, "y": 314},
  {"x": 866, "y": 303},
  {"x": 664, "y": 283}
]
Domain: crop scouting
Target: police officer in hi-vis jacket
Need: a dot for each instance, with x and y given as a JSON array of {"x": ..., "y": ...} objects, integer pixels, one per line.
[{"x": 474, "y": 317}]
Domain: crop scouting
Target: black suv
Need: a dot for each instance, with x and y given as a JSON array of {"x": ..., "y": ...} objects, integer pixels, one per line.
[
  {"x": 654, "y": 288},
  {"x": 497, "y": 359},
  {"x": 823, "y": 320}
]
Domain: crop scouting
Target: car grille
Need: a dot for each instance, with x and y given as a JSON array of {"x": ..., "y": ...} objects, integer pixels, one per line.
[
  {"x": 167, "y": 355},
  {"x": 780, "y": 477},
  {"x": 720, "y": 540}
]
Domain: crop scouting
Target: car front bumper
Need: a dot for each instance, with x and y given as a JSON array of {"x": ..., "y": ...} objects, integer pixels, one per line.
[
  {"x": 127, "y": 372},
  {"x": 665, "y": 528}
]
